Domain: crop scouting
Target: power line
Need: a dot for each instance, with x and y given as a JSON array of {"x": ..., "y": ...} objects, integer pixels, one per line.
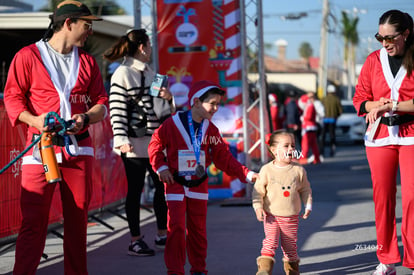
[{"x": 292, "y": 15}]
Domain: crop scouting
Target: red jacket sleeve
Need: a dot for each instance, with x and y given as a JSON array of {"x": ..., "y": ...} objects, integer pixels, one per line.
[
  {"x": 363, "y": 90},
  {"x": 156, "y": 148},
  {"x": 18, "y": 84}
]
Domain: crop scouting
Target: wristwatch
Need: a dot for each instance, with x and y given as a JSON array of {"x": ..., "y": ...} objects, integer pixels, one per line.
[
  {"x": 86, "y": 119},
  {"x": 394, "y": 106}
]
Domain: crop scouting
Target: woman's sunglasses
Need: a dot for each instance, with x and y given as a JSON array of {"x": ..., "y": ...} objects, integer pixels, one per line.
[{"x": 388, "y": 38}]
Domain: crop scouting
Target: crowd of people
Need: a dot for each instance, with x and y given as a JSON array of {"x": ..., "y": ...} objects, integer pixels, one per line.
[
  {"x": 309, "y": 120},
  {"x": 176, "y": 147}
]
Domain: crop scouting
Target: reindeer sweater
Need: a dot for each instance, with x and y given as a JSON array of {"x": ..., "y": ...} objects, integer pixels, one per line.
[{"x": 281, "y": 190}]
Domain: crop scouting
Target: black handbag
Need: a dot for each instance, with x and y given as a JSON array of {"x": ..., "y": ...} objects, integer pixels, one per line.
[{"x": 137, "y": 118}]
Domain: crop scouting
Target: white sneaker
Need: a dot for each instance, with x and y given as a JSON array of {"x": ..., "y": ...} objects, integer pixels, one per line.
[{"x": 385, "y": 269}]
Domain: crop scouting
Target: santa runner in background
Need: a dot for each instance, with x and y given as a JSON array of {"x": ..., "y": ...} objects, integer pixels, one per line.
[{"x": 200, "y": 40}]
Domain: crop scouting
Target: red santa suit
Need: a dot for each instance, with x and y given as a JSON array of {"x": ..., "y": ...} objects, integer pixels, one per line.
[
  {"x": 187, "y": 206},
  {"x": 309, "y": 130},
  {"x": 274, "y": 111},
  {"x": 387, "y": 148},
  {"x": 30, "y": 87}
]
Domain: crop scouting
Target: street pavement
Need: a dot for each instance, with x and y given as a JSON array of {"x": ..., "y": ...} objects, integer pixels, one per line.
[{"x": 338, "y": 238}]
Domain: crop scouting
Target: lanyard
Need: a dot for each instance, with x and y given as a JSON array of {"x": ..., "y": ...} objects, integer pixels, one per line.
[{"x": 196, "y": 140}]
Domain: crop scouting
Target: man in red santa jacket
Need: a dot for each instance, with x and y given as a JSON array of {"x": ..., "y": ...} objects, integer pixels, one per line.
[{"x": 55, "y": 75}]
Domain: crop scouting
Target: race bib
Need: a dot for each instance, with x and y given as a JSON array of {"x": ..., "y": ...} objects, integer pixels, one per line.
[{"x": 187, "y": 162}]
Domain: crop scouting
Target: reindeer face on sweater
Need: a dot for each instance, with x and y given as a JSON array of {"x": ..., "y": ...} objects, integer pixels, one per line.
[
  {"x": 286, "y": 189},
  {"x": 283, "y": 187}
]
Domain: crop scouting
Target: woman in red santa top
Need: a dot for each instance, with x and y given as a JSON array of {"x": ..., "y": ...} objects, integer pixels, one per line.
[{"x": 384, "y": 94}]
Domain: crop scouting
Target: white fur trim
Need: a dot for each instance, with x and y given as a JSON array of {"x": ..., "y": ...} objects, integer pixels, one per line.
[
  {"x": 64, "y": 92},
  {"x": 200, "y": 93},
  {"x": 174, "y": 197},
  {"x": 82, "y": 151},
  {"x": 195, "y": 195},
  {"x": 249, "y": 177},
  {"x": 162, "y": 168}
]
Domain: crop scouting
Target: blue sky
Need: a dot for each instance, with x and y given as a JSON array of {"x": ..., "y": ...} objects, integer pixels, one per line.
[{"x": 307, "y": 29}]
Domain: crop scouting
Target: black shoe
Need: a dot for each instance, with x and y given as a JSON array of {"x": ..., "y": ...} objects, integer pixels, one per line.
[
  {"x": 160, "y": 241},
  {"x": 140, "y": 248}
]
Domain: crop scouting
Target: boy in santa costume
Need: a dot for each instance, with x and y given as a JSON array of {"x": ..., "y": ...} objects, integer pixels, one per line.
[{"x": 191, "y": 142}]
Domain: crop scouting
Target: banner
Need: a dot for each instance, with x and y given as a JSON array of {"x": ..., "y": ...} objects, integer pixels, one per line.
[
  {"x": 200, "y": 40},
  {"x": 109, "y": 180}
]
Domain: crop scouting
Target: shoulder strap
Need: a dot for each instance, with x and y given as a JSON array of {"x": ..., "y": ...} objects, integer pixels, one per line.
[{"x": 142, "y": 88}]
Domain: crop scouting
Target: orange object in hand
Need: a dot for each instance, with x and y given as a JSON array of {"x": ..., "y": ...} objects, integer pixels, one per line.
[{"x": 50, "y": 165}]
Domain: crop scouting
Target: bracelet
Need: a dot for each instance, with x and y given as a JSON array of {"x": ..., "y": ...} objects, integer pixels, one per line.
[
  {"x": 85, "y": 120},
  {"x": 394, "y": 106}
]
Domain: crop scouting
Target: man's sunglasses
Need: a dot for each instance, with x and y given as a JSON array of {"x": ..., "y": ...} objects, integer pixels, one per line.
[
  {"x": 88, "y": 26},
  {"x": 388, "y": 38}
]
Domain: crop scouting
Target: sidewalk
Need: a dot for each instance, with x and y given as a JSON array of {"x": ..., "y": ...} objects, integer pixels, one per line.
[{"x": 338, "y": 238}]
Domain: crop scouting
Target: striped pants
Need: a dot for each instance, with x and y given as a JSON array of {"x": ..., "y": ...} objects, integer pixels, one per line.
[{"x": 287, "y": 229}]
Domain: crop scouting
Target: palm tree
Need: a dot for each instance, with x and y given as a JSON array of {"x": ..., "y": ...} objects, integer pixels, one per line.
[
  {"x": 351, "y": 40},
  {"x": 305, "y": 51}
]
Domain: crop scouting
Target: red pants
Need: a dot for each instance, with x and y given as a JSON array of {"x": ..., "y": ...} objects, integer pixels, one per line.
[
  {"x": 285, "y": 228},
  {"x": 192, "y": 212},
  {"x": 309, "y": 140},
  {"x": 383, "y": 162},
  {"x": 35, "y": 202}
]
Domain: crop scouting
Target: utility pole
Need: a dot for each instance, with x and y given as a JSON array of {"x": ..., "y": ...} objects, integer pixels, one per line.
[
  {"x": 322, "y": 70},
  {"x": 137, "y": 14},
  {"x": 262, "y": 83},
  {"x": 151, "y": 26},
  {"x": 254, "y": 19}
]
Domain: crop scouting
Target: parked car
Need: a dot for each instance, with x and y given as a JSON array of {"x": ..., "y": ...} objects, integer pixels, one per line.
[{"x": 349, "y": 126}]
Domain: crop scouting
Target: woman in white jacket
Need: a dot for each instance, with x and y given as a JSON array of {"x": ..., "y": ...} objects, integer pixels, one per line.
[{"x": 134, "y": 119}]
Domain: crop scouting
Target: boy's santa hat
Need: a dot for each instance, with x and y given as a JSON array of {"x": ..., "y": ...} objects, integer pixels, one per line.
[{"x": 200, "y": 88}]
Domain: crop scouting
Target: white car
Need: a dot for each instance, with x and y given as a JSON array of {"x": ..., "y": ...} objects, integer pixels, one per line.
[{"x": 349, "y": 126}]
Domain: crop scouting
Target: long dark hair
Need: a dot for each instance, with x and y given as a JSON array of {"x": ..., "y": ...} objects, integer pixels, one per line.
[
  {"x": 127, "y": 45},
  {"x": 402, "y": 21}
]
